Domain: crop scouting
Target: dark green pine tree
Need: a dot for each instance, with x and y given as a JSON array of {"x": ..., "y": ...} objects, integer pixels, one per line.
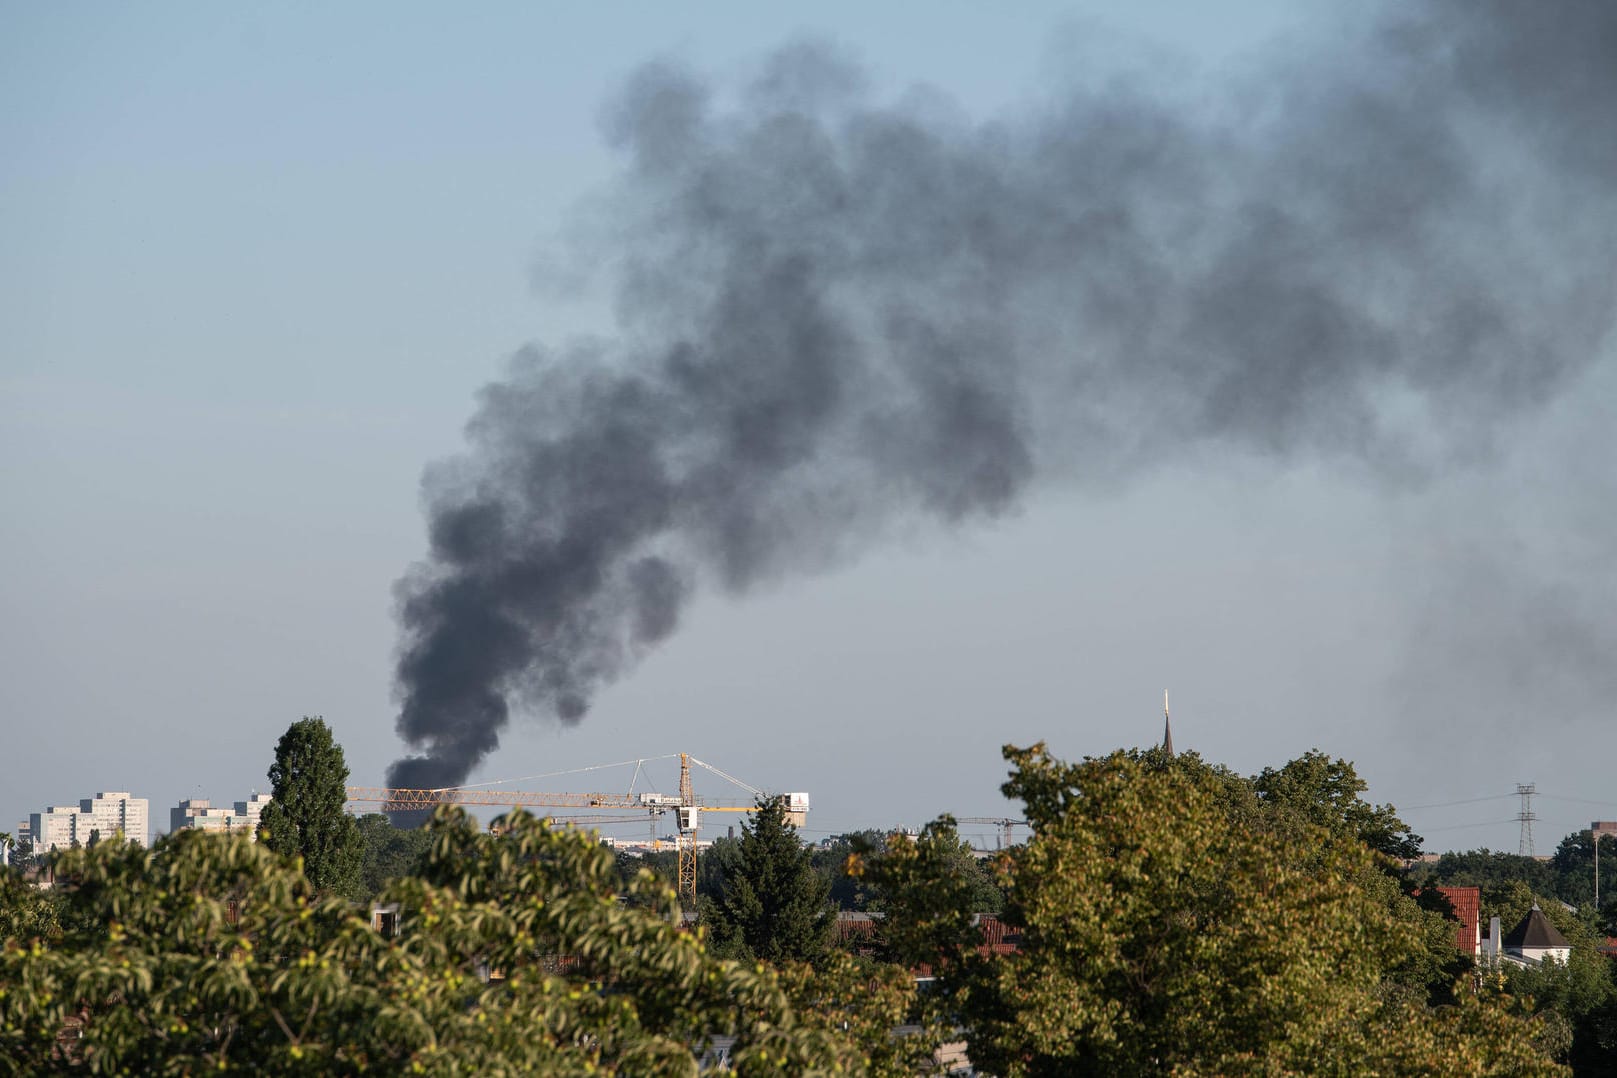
[
  {"x": 309, "y": 784},
  {"x": 771, "y": 904}
]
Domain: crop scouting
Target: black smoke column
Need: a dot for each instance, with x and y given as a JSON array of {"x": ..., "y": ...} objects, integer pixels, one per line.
[{"x": 836, "y": 320}]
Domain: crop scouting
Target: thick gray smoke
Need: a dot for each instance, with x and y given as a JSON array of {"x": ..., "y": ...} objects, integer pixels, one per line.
[{"x": 839, "y": 318}]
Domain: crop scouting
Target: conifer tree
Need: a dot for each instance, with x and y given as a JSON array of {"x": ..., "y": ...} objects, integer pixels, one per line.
[{"x": 771, "y": 904}]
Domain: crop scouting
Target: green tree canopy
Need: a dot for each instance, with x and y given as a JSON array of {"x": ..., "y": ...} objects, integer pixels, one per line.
[
  {"x": 830, "y": 859},
  {"x": 1325, "y": 792},
  {"x": 1162, "y": 933},
  {"x": 390, "y": 852},
  {"x": 926, "y": 901},
  {"x": 21, "y": 855},
  {"x": 1574, "y": 871},
  {"x": 972, "y": 880},
  {"x": 26, "y": 913},
  {"x": 1577, "y": 998},
  {"x": 1568, "y": 875},
  {"x": 305, "y": 818},
  {"x": 770, "y": 903},
  {"x": 513, "y": 957}
]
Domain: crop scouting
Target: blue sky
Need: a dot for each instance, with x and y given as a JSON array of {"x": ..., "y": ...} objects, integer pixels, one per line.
[{"x": 257, "y": 262}]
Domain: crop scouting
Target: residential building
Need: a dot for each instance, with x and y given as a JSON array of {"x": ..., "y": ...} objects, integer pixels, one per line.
[
  {"x": 1467, "y": 905},
  {"x": 200, "y": 814},
  {"x": 1530, "y": 943},
  {"x": 108, "y": 813},
  {"x": 57, "y": 828},
  {"x": 1535, "y": 939},
  {"x": 250, "y": 811},
  {"x": 118, "y": 813}
]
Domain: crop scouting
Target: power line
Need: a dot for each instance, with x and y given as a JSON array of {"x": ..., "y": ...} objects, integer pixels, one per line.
[
  {"x": 1502, "y": 797},
  {"x": 1463, "y": 826},
  {"x": 1582, "y": 801},
  {"x": 1449, "y": 804}
]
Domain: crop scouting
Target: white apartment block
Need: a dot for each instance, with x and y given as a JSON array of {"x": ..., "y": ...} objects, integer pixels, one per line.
[
  {"x": 56, "y": 828},
  {"x": 108, "y": 813},
  {"x": 251, "y": 809},
  {"x": 199, "y": 814}
]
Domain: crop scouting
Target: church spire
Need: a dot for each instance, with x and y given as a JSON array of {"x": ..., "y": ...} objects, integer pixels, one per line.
[{"x": 1167, "y": 726}]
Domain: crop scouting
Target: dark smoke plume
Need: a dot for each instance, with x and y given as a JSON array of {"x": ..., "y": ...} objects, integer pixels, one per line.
[{"x": 837, "y": 318}]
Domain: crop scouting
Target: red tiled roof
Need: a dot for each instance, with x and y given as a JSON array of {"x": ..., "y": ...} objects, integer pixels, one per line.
[
  {"x": 998, "y": 937},
  {"x": 1467, "y": 903}
]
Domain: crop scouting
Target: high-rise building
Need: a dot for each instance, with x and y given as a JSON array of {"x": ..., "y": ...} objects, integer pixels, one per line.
[
  {"x": 199, "y": 814},
  {"x": 56, "y": 828},
  {"x": 109, "y": 813},
  {"x": 118, "y": 812},
  {"x": 251, "y": 809}
]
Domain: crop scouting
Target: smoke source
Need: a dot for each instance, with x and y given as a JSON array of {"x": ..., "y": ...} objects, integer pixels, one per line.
[{"x": 836, "y": 318}]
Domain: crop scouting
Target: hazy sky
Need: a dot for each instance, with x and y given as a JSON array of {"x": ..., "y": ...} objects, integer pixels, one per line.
[{"x": 255, "y": 265}]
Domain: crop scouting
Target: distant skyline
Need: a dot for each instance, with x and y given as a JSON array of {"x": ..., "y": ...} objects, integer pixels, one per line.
[{"x": 259, "y": 263}]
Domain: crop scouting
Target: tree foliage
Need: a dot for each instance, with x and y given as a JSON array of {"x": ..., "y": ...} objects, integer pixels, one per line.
[
  {"x": 26, "y": 912},
  {"x": 770, "y": 903},
  {"x": 390, "y": 852},
  {"x": 1488, "y": 868},
  {"x": 870, "y": 1004},
  {"x": 212, "y": 953},
  {"x": 1577, "y": 998},
  {"x": 927, "y": 889},
  {"x": 1325, "y": 793},
  {"x": 1568, "y": 875},
  {"x": 1162, "y": 932},
  {"x": 830, "y": 857},
  {"x": 22, "y": 855},
  {"x": 1175, "y": 917},
  {"x": 1573, "y": 868},
  {"x": 971, "y": 881},
  {"x": 305, "y": 818},
  {"x": 1576, "y": 1002}
]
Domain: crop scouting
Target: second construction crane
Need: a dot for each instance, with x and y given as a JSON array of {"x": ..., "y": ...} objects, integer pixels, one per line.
[
  {"x": 1006, "y": 837},
  {"x": 687, "y": 807}
]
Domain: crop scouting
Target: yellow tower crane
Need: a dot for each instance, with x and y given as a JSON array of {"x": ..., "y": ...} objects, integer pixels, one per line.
[{"x": 686, "y": 805}]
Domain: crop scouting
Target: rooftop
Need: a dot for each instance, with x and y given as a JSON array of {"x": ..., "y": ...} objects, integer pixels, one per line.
[{"x": 1535, "y": 930}]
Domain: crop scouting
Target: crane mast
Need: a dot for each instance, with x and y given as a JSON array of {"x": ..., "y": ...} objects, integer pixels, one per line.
[{"x": 690, "y": 820}]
